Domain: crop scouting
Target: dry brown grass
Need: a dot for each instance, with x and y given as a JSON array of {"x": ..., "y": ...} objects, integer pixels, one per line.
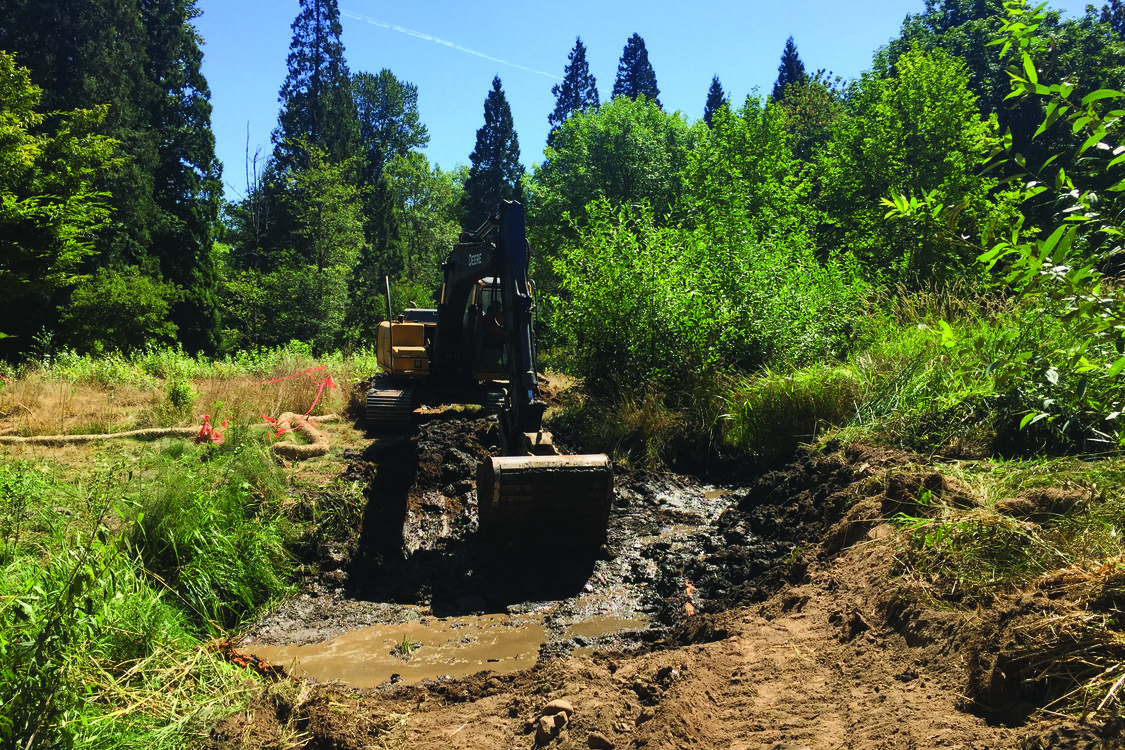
[{"x": 38, "y": 406}]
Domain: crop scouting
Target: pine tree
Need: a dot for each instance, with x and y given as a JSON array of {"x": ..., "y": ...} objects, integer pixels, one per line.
[
  {"x": 635, "y": 76},
  {"x": 316, "y": 103},
  {"x": 716, "y": 98},
  {"x": 187, "y": 188},
  {"x": 790, "y": 71},
  {"x": 495, "y": 172},
  {"x": 577, "y": 92}
]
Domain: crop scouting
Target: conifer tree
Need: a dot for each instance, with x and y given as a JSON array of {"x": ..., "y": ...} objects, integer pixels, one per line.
[
  {"x": 716, "y": 98},
  {"x": 142, "y": 58},
  {"x": 187, "y": 188},
  {"x": 316, "y": 103},
  {"x": 1113, "y": 13},
  {"x": 635, "y": 76},
  {"x": 791, "y": 70},
  {"x": 578, "y": 90},
  {"x": 495, "y": 172}
]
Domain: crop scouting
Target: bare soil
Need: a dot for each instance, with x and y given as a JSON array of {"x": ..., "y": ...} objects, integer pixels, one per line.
[{"x": 778, "y": 617}]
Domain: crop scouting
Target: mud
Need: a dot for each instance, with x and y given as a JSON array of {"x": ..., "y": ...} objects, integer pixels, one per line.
[{"x": 758, "y": 612}]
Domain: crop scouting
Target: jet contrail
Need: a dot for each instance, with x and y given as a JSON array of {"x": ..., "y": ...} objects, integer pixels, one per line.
[{"x": 444, "y": 43}]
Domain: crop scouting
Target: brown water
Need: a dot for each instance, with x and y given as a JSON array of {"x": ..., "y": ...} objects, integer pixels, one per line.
[{"x": 453, "y": 646}]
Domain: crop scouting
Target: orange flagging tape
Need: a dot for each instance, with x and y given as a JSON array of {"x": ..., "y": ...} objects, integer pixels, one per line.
[
  {"x": 322, "y": 383},
  {"x": 209, "y": 434}
]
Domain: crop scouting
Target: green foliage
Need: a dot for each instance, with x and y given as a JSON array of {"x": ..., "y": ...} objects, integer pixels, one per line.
[
  {"x": 625, "y": 151},
  {"x": 50, "y": 207},
  {"x": 648, "y": 303},
  {"x": 716, "y": 99},
  {"x": 635, "y": 76},
  {"x": 495, "y": 172},
  {"x": 217, "y": 548},
  {"x": 918, "y": 132},
  {"x": 577, "y": 92},
  {"x": 120, "y": 311},
  {"x": 425, "y": 205},
  {"x": 790, "y": 71},
  {"x": 317, "y": 106},
  {"x": 741, "y": 176},
  {"x": 1062, "y": 368},
  {"x": 771, "y": 413},
  {"x": 98, "y": 649}
]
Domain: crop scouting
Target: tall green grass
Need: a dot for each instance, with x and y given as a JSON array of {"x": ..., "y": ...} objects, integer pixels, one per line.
[{"x": 110, "y": 585}]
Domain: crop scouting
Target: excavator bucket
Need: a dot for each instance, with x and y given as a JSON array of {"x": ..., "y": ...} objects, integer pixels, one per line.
[{"x": 545, "y": 501}]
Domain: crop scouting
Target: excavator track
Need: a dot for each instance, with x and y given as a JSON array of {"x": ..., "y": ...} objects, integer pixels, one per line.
[
  {"x": 545, "y": 501},
  {"x": 389, "y": 409}
]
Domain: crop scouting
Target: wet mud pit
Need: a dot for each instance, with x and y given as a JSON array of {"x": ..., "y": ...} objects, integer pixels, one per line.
[{"x": 416, "y": 597}]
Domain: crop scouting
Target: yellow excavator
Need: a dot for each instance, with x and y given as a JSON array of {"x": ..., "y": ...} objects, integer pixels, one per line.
[{"x": 478, "y": 345}]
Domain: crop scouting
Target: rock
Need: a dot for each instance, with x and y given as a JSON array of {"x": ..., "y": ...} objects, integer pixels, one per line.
[
  {"x": 598, "y": 741},
  {"x": 545, "y": 730},
  {"x": 558, "y": 706},
  {"x": 561, "y": 720}
]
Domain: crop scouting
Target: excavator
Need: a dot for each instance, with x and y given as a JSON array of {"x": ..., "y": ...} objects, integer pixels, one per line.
[{"x": 478, "y": 345}]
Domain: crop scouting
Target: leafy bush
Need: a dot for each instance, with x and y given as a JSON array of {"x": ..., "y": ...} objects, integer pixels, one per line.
[
  {"x": 646, "y": 304},
  {"x": 120, "y": 311}
]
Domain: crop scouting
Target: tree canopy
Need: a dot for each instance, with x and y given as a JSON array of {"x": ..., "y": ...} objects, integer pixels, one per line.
[
  {"x": 635, "y": 76},
  {"x": 577, "y": 92},
  {"x": 495, "y": 172}
]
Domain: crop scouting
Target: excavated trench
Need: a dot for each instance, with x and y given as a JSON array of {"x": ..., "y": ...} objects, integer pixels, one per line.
[{"x": 415, "y": 596}]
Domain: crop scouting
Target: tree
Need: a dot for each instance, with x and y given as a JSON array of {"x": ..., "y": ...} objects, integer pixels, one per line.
[
  {"x": 790, "y": 71},
  {"x": 627, "y": 152},
  {"x": 916, "y": 133},
  {"x": 120, "y": 311},
  {"x": 495, "y": 172},
  {"x": 716, "y": 99},
  {"x": 1113, "y": 13},
  {"x": 187, "y": 185},
  {"x": 316, "y": 102},
  {"x": 142, "y": 59},
  {"x": 50, "y": 207},
  {"x": 328, "y": 240},
  {"x": 635, "y": 76},
  {"x": 425, "y": 204},
  {"x": 389, "y": 126},
  {"x": 577, "y": 92}
]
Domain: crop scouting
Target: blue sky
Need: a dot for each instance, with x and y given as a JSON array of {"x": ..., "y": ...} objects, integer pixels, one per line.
[{"x": 451, "y": 50}]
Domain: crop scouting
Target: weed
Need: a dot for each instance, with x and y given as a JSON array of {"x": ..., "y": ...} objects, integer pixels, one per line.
[{"x": 406, "y": 647}]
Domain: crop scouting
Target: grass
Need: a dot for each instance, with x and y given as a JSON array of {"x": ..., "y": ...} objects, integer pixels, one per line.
[
  {"x": 72, "y": 394},
  {"x": 121, "y": 561}
]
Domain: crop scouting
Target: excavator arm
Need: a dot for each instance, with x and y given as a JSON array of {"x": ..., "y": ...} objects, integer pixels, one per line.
[{"x": 532, "y": 487}]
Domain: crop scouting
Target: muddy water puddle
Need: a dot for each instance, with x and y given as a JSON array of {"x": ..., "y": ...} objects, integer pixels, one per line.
[{"x": 432, "y": 648}]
